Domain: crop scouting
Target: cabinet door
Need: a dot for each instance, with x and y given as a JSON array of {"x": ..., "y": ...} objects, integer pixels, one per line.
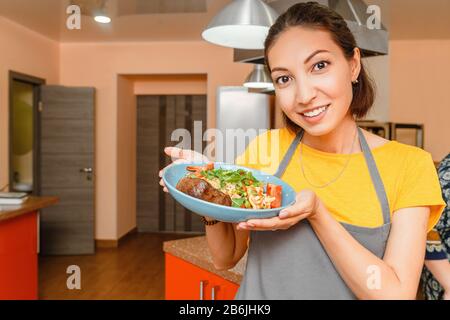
[
  {"x": 18, "y": 258},
  {"x": 219, "y": 288},
  {"x": 184, "y": 281}
]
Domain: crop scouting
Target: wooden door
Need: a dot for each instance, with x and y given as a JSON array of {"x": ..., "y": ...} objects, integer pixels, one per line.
[
  {"x": 67, "y": 170},
  {"x": 157, "y": 117}
]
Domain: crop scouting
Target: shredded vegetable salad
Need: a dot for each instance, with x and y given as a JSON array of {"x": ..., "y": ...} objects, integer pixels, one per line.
[{"x": 243, "y": 188}]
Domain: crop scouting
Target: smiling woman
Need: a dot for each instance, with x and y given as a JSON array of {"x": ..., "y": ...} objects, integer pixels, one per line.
[{"x": 362, "y": 210}]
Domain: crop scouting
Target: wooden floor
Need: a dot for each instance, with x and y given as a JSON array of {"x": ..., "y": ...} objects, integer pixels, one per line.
[{"x": 134, "y": 270}]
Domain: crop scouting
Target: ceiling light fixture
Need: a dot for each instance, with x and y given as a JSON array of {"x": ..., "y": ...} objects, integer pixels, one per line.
[
  {"x": 259, "y": 78},
  {"x": 242, "y": 24},
  {"x": 101, "y": 18}
]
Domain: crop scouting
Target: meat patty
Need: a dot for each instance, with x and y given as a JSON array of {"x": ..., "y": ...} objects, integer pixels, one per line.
[{"x": 203, "y": 190}]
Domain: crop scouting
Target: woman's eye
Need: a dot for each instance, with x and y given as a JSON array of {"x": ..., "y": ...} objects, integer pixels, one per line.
[
  {"x": 283, "y": 79},
  {"x": 320, "y": 65}
]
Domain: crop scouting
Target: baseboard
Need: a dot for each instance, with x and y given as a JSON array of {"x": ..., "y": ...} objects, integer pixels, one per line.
[
  {"x": 126, "y": 235},
  {"x": 114, "y": 243},
  {"x": 106, "y": 243}
]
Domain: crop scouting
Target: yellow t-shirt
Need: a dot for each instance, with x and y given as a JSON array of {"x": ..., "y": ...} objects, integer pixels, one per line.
[{"x": 408, "y": 174}]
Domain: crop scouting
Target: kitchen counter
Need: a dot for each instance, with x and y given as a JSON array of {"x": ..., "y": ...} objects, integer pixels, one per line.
[
  {"x": 195, "y": 251},
  {"x": 30, "y": 205}
]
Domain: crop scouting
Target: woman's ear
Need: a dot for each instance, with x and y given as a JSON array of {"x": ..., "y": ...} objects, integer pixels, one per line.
[{"x": 355, "y": 64}]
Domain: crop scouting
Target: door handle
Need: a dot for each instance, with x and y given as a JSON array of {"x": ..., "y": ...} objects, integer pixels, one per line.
[
  {"x": 89, "y": 173},
  {"x": 213, "y": 293},
  {"x": 202, "y": 286}
]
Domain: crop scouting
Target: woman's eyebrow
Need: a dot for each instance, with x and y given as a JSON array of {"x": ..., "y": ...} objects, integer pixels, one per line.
[
  {"x": 306, "y": 60},
  {"x": 278, "y": 69},
  {"x": 313, "y": 54}
]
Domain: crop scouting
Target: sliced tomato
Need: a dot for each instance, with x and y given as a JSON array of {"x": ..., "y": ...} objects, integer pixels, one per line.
[
  {"x": 274, "y": 190},
  {"x": 194, "y": 168},
  {"x": 209, "y": 166}
]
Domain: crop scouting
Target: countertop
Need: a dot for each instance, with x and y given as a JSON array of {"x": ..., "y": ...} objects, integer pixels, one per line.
[
  {"x": 195, "y": 250},
  {"x": 30, "y": 205}
]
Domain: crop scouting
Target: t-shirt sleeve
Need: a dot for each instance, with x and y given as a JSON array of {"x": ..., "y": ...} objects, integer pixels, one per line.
[{"x": 420, "y": 186}]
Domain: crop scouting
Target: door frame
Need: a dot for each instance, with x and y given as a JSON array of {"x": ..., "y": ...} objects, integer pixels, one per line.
[{"x": 36, "y": 82}]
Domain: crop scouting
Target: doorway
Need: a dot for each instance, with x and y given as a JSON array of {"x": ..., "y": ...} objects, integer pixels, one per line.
[
  {"x": 157, "y": 117},
  {"x": 24, "y": 132},
  {"x": 51, "y": 152}
]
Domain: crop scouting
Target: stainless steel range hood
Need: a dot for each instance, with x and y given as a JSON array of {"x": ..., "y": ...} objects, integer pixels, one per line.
[{"x": 371, "y": 42}]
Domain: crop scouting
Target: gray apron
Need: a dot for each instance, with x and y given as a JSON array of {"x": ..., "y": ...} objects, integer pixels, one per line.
[{"x": 292, "y": 264}]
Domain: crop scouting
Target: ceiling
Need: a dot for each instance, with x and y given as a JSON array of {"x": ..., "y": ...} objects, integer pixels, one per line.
[
  {"x": 415, "y": 19},
  {"x": 132, "y": 20},
  {"x": 184, "y": 20}
]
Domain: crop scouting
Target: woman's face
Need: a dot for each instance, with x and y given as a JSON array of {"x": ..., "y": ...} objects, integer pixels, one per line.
[{"x": 312, "y": 78}]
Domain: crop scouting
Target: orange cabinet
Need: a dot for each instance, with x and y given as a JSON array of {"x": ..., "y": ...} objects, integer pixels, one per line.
[
  {"x": 18, "y": 258},
  {"x": 185, "y": 281}
]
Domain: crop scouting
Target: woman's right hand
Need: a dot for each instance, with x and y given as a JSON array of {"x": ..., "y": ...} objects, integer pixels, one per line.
[{"x": 179, "y": 155}]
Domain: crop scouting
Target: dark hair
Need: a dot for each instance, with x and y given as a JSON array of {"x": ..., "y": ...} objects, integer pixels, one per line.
[{"x": 314, "y": 15}]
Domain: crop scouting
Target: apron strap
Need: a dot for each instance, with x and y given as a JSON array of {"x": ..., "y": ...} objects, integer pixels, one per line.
[
  {"x": 289, "y": 153},
  {"x": 376, "y": 179},
  {"x": 371, "y": 165}
]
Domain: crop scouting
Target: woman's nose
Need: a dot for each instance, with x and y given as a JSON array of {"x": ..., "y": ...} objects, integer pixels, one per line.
[{"x": 305, "y": 92}]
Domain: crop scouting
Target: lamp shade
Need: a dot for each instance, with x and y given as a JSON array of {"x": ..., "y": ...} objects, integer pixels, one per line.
[
  {"x": 259, "y": 78},
  {"x": 242, "y": 24}
]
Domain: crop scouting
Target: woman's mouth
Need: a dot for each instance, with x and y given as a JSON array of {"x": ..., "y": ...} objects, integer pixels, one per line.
[{"x": 315, "y": 115}]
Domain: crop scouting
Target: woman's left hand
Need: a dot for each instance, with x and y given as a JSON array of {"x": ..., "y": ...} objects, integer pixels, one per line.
[{"x": 307, "y": 205}]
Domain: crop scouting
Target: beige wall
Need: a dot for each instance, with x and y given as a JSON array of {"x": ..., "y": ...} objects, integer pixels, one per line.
[
  {"x": 98, "y": 65},
  {"x": 126, "y": 156},
  {"x": 25, "y": 51},
  {"x": 420, "y": 89},
  {"x": 378, "y": 68},
  {"x": 171, "y": 84}
]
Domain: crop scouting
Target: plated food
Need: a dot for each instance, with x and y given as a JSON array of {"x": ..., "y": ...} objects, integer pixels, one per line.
[
  {"x": 229, "y": 187},
  {"x": 198, "y": 188}
]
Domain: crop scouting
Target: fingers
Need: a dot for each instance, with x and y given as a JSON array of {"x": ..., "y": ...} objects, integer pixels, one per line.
[
  {"x": 295, "y": 214},
  {"x": 161, "y": 183},
  {"x": 190, "y": 155},
  {"x": 182, "y": 156},
  {"x": 297, "y": 209},
  {"x": 264, "y": 224},
  {"x": 173, "y": 152},
  {"x": 179, "y": 155},
  {"x": 303, "y": 205}
]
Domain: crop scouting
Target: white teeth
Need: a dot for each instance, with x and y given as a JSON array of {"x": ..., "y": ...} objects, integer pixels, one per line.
[{"x": 314, "y": 112}]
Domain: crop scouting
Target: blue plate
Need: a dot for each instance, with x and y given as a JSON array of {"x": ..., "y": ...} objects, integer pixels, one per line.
[{"x": 175, "y": 172}]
